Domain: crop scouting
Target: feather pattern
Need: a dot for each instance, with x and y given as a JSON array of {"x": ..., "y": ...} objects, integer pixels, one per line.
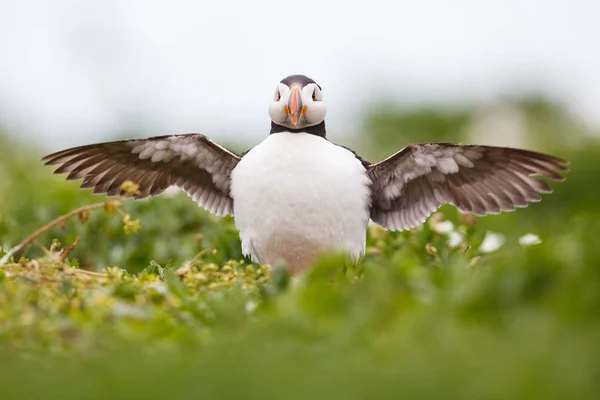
[
  {"x": 192, "y": 161},
  {"x": 411, "y": 184}
]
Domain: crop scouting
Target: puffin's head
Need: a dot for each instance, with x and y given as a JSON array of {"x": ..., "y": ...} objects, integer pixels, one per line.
[{"x": 298, "y": 103}]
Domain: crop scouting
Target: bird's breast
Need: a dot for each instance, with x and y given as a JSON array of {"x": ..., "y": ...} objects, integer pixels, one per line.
[{"x": 298, "y": 194}]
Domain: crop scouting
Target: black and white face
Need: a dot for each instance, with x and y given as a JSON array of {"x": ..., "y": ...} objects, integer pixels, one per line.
[{"x": 298, "y": 103}]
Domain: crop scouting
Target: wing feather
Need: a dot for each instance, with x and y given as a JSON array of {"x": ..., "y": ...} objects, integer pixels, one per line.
[
  {"x": 191, "y": 161},
  {"x": 411, "y": 184}
]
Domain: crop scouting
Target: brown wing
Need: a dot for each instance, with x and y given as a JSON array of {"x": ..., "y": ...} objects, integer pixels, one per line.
[
  {"x": 416, "y": 181},
  {"x": 192, "y": 161}
]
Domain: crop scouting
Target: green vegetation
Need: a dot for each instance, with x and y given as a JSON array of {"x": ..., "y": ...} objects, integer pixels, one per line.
[{"x": 173, "y": 310}]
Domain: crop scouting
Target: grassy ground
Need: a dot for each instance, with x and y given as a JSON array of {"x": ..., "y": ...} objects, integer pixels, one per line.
[
  {"x": 417, "y": 318},
  {"x": 173, "y": 310}
]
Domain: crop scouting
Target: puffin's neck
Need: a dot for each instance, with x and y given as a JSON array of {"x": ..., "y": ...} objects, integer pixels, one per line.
[{"x": 317, "y": 130}]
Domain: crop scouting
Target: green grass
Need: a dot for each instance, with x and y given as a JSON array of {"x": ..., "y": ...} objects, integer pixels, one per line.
[{"x": 417, "y": 318}]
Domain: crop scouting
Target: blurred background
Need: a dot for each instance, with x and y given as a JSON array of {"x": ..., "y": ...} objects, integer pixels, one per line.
[
  {"x": 505, "y": 72},
  {"x": 75, "y": 72}
]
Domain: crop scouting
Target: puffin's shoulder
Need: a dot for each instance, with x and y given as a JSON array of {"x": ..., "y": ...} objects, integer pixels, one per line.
[{"x": 364, "y": 162}]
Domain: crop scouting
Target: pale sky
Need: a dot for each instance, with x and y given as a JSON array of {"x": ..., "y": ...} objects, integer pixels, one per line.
[{"x": 72, "y": 71}]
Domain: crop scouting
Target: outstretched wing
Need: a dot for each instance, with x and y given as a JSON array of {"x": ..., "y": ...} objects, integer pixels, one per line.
[
  {"x": 193, "y": 162},
  {"x": 410, "y": 185}
]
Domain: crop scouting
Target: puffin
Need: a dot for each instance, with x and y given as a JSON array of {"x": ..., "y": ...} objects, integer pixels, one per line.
[{"x": 297, "y": 195}]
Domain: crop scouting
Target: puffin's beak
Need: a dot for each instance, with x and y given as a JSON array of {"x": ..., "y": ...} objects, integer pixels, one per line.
[{"x": 295, "y": 106}]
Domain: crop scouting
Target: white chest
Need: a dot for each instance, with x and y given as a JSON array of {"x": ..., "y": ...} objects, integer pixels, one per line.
[{"x": 296, "y": 195}]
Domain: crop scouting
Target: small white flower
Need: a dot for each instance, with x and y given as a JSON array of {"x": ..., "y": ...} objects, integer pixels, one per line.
[
  {"x": 123, "y": 309},
  {"x": 251, "y": 306},
  {"x": 455, "y": 239},
  {"x": 491, "y": 242},
  {"x": 529, "y": 239},
  {"x": 160, "y": 288},
  {"x": 116, "y": 252},
  {"x": 443, "y": 227},
  {"x": 172, "y": 191}
]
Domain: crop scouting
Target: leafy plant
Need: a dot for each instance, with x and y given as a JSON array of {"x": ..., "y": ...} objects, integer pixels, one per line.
[{"x": 499, "y": 307}]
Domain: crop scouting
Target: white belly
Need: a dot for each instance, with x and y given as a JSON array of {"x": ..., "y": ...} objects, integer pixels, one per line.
[{"x": 296, "y": 195}]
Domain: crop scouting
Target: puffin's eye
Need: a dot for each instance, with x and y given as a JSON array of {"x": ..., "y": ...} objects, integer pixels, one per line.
[
  {"x": 278, "y": 96},
  {"x": 314, "y": 96}
]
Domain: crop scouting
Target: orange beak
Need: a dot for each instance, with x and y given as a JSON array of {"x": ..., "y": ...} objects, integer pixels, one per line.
[{"x": 295, "y": 106}]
